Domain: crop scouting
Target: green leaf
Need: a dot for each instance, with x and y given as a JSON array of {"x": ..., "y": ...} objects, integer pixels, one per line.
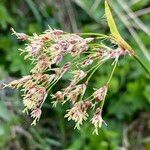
[
  {"x": 113, "y": 28},
  {"x": 114, "y": 31}
]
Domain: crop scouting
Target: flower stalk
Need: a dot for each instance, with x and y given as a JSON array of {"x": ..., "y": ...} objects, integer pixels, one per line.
[
  {"x": 86, "y": 53},
  {"x": 142, "y": 65}
]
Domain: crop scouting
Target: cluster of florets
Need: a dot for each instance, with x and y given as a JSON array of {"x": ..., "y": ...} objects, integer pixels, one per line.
[{"x": 47, "y": 51}]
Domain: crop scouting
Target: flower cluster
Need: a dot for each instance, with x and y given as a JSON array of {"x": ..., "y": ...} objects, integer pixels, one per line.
[
  {"x": 100, "y": 94},
  {"x": 47, "y": 53},
  {"x": 78, "y": 112},
  {"x": 34, "y": 93},
  {"x": 97, "y": 120}
]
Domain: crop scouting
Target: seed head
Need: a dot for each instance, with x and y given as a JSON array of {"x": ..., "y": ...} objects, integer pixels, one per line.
[
  {"x": 97, "y": 120},
  {"x": 20, "y": 36},
  {"x": 58, "y": 97},
  {"x": 77, "y": 114},
  {"x": 100, "y": 94},
  {"x": 36, "y": 114}
]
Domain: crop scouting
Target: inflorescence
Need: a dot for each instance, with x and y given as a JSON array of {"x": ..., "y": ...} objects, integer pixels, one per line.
[{"x": 47, "y": 53}]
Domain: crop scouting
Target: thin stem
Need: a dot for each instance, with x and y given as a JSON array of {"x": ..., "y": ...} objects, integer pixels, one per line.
[
  {"x": 113, "y": 70},
  {"x": 80, "y": 60},
  {"x": 93, "y": 34},
  {"x": 102, "y": 102},
  {"x": 82, "y": 94},
  {"x": 53, "y": 83},
  {"x": 95, "y": 44},
  {"x": 142, "y": 64},
  {"x": 110, "y": 77},
  {"x": 89, "y": 97},
  {"x": 97, "y": 66}
]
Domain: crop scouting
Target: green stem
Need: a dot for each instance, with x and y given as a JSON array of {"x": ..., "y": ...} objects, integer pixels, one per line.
[
  {"x": 93, "y": 34},
  {"x": 102, "y": 102},
  {"x": 82, "y": 94},
  {"x": 142, "y": 64},
  {"x": 110, "y": 77},
  {"x": 113, "y": 70},
  {"x": 96, "y": 67}
]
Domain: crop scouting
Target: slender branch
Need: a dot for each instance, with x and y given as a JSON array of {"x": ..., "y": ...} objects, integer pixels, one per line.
[
  {"x": 102, "y": 102},
  {"x": 93, "y": 34},
  {"x": 113, "y": 70},
  {"x": 110, "y": 77},
  {"x": 96, "y": 67},
  {"x": 142, "y": 64}
]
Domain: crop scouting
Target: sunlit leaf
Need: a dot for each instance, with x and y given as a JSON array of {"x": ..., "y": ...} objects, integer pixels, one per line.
[
  {"x": 114, "y": 31},
  {"x": 111, "y": 22}
]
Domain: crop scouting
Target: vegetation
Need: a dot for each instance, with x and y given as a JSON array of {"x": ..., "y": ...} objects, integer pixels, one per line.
[{"x": 126, "y": 109}]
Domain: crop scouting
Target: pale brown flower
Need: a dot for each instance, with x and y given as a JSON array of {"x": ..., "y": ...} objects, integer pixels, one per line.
[
  {"x": 78, "y": 75},
  {"x": 75, "y": 92},
  {"x": 42, "y": 65},
  {"x": 20, "y": 82},
  {"x": 77, "y": 114},
  {"x": 100, "y": 93},
  {"x": 34, "y": 97},
  {"x": 97, "y": 120},
  {"x": 47, "y": 52},
  {"x": 34, "y": 48},
  {"x": 36, "y": 114},
  {"x": 58, "y": 97},
  {"x": 20, "y": 36},
  {"x": 86, "y": 62}
]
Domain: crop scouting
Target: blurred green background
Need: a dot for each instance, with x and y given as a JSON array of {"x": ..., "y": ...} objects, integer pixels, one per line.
[{"x": 127, "y": 107}]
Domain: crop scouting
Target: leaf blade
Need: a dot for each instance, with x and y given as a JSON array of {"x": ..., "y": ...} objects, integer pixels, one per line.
[{"x": 111, "y": 23}]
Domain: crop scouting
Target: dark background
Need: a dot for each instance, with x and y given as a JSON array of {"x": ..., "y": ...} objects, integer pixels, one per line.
[{"x": 128, "y": 102}]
